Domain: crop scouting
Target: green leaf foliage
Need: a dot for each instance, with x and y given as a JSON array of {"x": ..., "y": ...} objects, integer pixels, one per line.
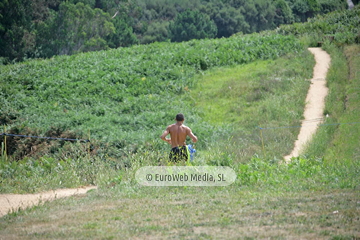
[
  {"x": 125, "y": 95},
  {"x": 87, "y": 27},
  {"x": 44, "y": 28},
  {"x": 283, "y": 12},
  {"x": 15, "y": 23},
  {"x": 192, "y": 25},
  {"x": 342, "y": 27},
  {"x": 229, "y": 20}
]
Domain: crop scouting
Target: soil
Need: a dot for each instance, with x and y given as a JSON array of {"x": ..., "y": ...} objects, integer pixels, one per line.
[
  {"x": 14, "y": 202},
  {"x": 315, "y": 102}
]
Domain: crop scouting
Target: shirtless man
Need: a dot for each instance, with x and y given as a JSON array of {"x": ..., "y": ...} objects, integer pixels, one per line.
[{"x": 178, "y": 133}]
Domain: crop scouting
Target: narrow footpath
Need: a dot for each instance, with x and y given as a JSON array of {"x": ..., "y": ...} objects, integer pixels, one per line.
[
  {"x": 14, "y": 202},
  {"x": 315, "y": 102}
]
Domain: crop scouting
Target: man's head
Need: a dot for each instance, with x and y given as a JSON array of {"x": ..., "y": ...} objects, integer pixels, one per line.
[{"x": 179, "y": 117}]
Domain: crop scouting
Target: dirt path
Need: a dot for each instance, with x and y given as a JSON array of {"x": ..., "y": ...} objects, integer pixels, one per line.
[
  {"x": 14, "y": 202},
  {"x": 315, "y": 102}
]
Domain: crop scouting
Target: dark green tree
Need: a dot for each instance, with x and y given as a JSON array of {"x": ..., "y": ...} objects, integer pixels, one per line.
[
  {"x": 15, "y": 28},
  {"x": 283, "y": 13},
  {"x": 304, "y": 9},
  {"x": 259, "y": 14},
  {"x": 73, "y": 29},
  {"x": 156, "y": 32},
  {"x": 123, "y": 36},
  {"x": 228, "y": 19},
  {"x": 332, "y": 5},
  {"x": 43, "y": 28},
  {"x": 91, "y": 3},
  {"x": 192, "y": 25}
]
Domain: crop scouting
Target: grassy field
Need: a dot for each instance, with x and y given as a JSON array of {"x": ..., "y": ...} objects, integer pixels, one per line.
[
  {"x": 233, "y": 137},
  {"x": 121, "y": 98},
  {"x": 261, "y": 94},
  {"x": 310, "y": 198},
  {"x": 302, "y": 200},
  {"x": 227, "y": 95}
]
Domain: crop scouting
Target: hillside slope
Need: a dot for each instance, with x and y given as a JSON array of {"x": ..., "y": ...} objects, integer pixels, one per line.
[{"x": 123, "y": 97}]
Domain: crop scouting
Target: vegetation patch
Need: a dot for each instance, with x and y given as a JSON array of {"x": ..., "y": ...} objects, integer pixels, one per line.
[
  {"x": 127, "y": 96},
  {"x": 306, "y": 199},
  {"x": 267, "y": 94},
  {"x": 122, "y": 98}
]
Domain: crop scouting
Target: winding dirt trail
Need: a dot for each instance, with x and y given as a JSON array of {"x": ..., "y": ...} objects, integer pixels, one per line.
[
  {"x": 14, "y": 202},
  {"x": 315, "y": 102}
]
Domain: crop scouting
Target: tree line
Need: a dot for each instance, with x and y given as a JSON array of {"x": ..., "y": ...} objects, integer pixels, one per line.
[{"x": 44, "y": 28}]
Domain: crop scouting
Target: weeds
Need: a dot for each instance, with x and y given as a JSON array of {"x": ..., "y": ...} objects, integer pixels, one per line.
[
  {"x": 122, "y": 92},
  {"x": 268, "y": 94},
  {"x": 307, "y": 198},
  {"x": 127, "y": 93}
]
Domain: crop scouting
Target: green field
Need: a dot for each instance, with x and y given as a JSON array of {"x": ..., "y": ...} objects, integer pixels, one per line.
[
  {"x": 227, "y": 88},
  {"x": 123, "y": 97}
]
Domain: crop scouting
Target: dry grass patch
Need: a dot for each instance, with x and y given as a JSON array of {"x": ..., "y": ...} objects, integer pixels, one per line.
[{"x": 188, "y": 213}]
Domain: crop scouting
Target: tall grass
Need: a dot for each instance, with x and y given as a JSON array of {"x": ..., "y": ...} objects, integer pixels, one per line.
[{"x": 266, "y": 94}]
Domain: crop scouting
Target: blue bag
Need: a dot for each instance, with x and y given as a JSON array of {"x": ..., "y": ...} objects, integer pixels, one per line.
[{"x": 191, "y": 151}]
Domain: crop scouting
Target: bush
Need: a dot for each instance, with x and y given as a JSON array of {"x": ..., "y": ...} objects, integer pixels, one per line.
[{"x": 192, "y": 25}]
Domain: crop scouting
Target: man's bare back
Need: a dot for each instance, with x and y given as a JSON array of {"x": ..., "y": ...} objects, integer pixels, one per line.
[{"x": 178, "y": 132}]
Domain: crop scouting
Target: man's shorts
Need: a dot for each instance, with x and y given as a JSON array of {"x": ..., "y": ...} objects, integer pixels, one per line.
[{"x": 178, "y": 154}]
